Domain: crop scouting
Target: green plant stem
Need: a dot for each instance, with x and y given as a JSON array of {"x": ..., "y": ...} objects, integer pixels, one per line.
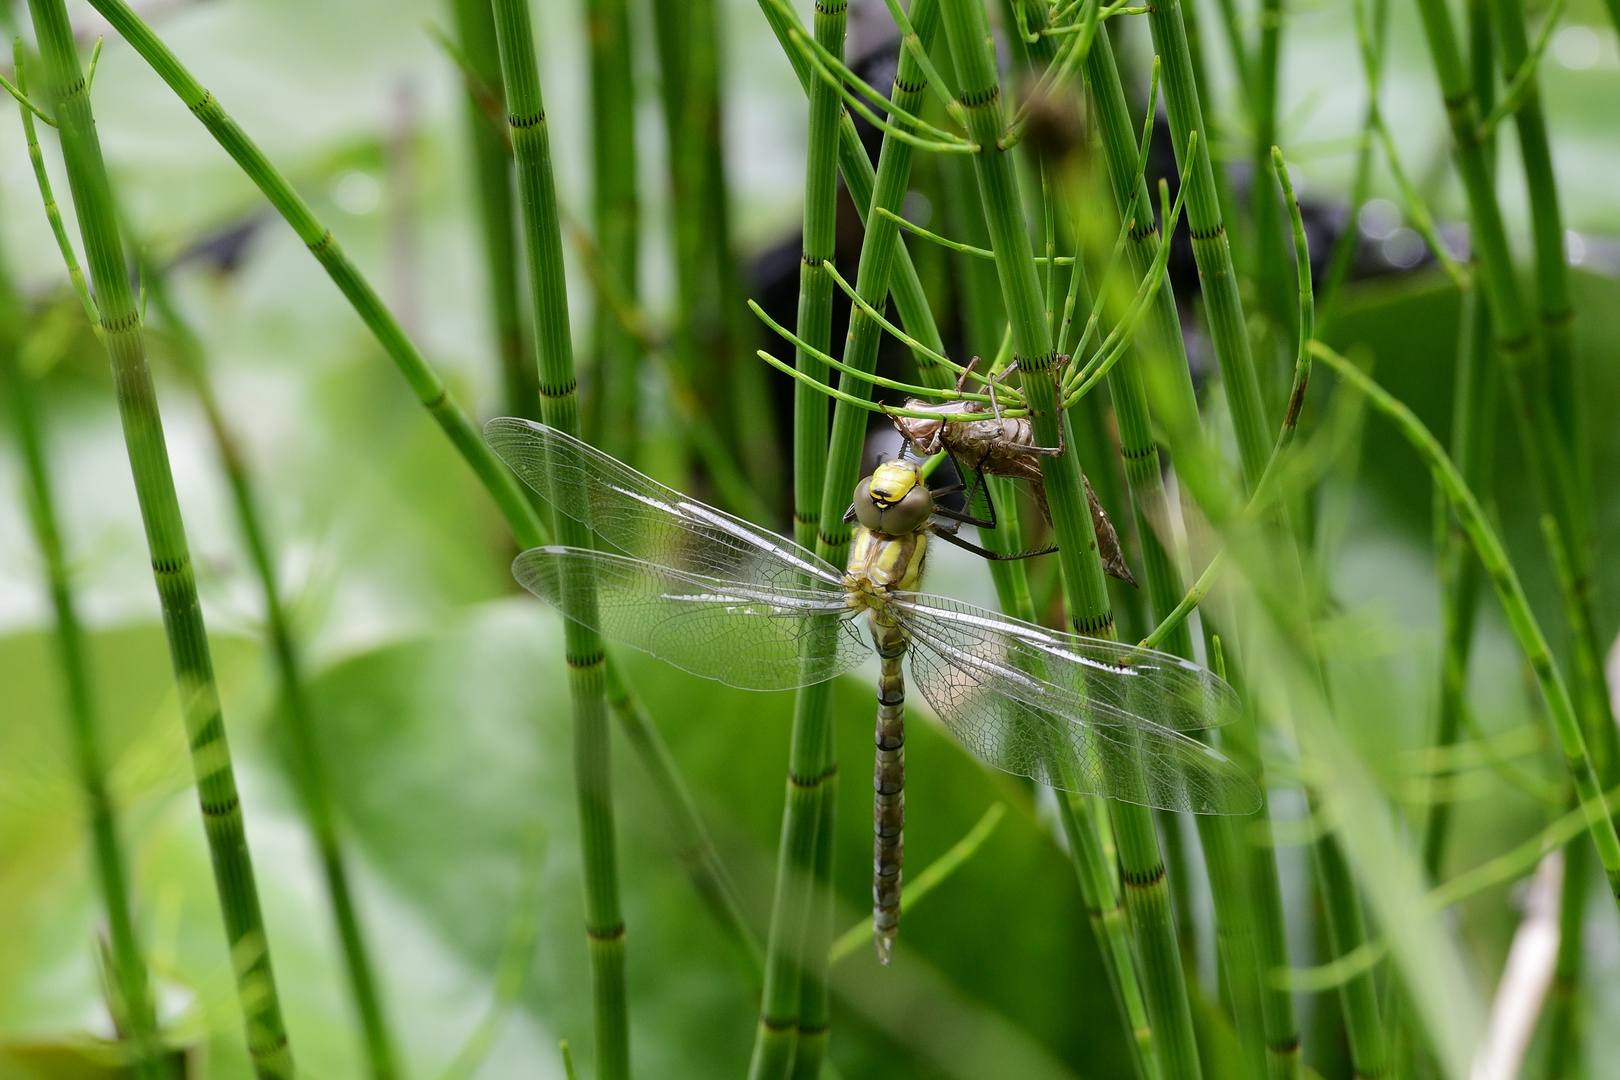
[
  {"x": 1142, "y": 867},
  {"x": 309, "y": 770},
  {"x": 1563, "y": 1029},
  {"x": 801, "y": 953},
  {"x": 1371, "y": 39},
  {"x": 520, "y": 516},
  {"x": 492, "y": 172},
  {"x": 1346, "y": 932},
  {"x": 1270, "y": 257},
  {"x": 694, "y": 848},
  {"x": 559, "y": 408},
  {"x": 133, "y": 1005},
  {"x": 1544, "y": 444},
  {"x": 860, "y": 178},
  {"x": 1556, "y": 313},
  {"x": 1473, "y": 421},
  {"x": 425, "y": 383},
  {"x": 166, "y": 539},
  {"x": 1109, "y": 924},
  {"x": 1511, "y": 595},
  {"x": 1249, "y": 912},
  {"x": 613, "y": 177},
  {"x": 1211, "y": 249}
]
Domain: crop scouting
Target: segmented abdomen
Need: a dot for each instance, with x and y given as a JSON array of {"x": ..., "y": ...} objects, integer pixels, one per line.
[{"x": 889, "y": 782}]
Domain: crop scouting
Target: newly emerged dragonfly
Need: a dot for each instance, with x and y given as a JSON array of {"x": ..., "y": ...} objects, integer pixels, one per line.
[{"x": 725, "y": 599}]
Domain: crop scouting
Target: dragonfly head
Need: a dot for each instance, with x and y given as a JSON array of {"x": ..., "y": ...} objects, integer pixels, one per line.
[{"x": 894, "y": 500}]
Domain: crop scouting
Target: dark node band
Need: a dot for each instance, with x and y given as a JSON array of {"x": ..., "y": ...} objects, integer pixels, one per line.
[{"x": 974, "y": 98}]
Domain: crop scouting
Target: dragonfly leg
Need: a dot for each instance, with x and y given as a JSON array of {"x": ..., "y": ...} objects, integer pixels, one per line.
[
  {"x": 984, "y": 553},
  {"x": 889, "y": 796}
]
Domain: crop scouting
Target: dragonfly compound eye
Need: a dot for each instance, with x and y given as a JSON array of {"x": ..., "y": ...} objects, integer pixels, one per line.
[{"x": 894, "y": 500}]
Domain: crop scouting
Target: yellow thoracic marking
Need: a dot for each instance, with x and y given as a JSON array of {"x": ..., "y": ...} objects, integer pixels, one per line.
[
  {"x": 880, "y": 564},
  {"x": 893, "y": 481}
]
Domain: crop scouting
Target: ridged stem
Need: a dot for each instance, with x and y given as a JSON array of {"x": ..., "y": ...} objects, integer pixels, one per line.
[
  {"x": 1545, "y": 444},
  {"x": 217, "y": 794},
  {"x": 1109, "y": 926},
  {"x": 860, "y": 179},
  {"x": 425, "y": 383},
  {"x": 1211, "y": 247},
  {"x": 492, "y": 175},
  {"x": 1521, "y": 620},
  {"x": 617, "y": 368},
  {"x": 519, "y": 514},
  {"x": 794, "y": 1005},
  {"x": 1142, "y": 867},
  {"x": 309, "y": 770},
  {"x": 133, "y": 1007},
  {"x": 812, "y": 455},
  {"x": 559, "y": 408},
  {"x": 1472, "y": 424},
  {"x": 1563, "y": 1028},
  {"x": 1243, "y": 874}
]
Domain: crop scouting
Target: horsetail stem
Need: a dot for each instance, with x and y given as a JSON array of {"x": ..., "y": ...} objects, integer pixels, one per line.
[
  {"x": 1511, "y": 594},
  {"x": 860, "y": 177},
  {"x": 801, "y": 907},
  {"x": 492, "y": 168},
  {"x": 521, "y": 517},
  {"x": 425, "y": 383},
  {"x": 617, "y": 368},
  {"x": 133, "y": 1006},
  {"x": 1142, "y": 866},
  {"x": 309, "y": 770},
  {"x": 1554, "y": 476},
  {"x": 166, "y": 539},
  {"x": 559, "y": 408}
]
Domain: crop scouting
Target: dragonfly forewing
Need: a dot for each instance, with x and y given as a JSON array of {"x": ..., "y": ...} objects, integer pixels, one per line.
[
  {"x": 1029, "y": 702},
  {"x": 645, "y": 519},
  {"x": 749, "y": 635}
]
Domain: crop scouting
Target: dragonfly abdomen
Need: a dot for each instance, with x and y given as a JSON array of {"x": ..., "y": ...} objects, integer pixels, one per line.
[{"x": 889, "y": 783}]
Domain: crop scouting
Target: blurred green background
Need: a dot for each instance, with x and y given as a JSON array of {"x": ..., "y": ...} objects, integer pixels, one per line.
[{"x": 441, "y": 699}]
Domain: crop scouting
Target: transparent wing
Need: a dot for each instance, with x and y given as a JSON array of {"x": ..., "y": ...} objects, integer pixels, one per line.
[
  {"x": 646, "y": 520},
  {"x": 750, "y": 638},
  {"x": 1074, "y": 712}
]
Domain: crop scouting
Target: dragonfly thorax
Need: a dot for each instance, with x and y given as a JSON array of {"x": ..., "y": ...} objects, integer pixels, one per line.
[{"x": 880, "y": 564}]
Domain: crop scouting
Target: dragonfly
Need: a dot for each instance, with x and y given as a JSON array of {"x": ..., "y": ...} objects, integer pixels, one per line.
[{"x": 728, "y": 600}]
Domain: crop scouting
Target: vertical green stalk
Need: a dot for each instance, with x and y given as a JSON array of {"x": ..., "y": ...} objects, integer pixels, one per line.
[
  {"x": 424, "y": 382},
  {"x": 1544, "y": 444},
  {"x": 1270, "y": 263},
  {"x": 68, "y": 94},
  {"x": 807, "y": 961},
  {"x": 1563, "y": 1029},
  {"x": 1472, "y": 424},
  {"x": 1346, "y": 933},
  {"x": 1243, "y": 875},
  {"x": 309, "y": 771},
  {"x": 613, "y": 176},
  {"x": 1211, "y": 248},
  {"x": 492, "y": 173},
  {"x": 1108, "y": 925},
  {"x": 1547, "y": 233},
  {"x": 559, "y": 407},
  {"x": 860, "y": 178},
  {"x": 132, "y": 1004},
  {"x": 1142, "y": 867}
]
